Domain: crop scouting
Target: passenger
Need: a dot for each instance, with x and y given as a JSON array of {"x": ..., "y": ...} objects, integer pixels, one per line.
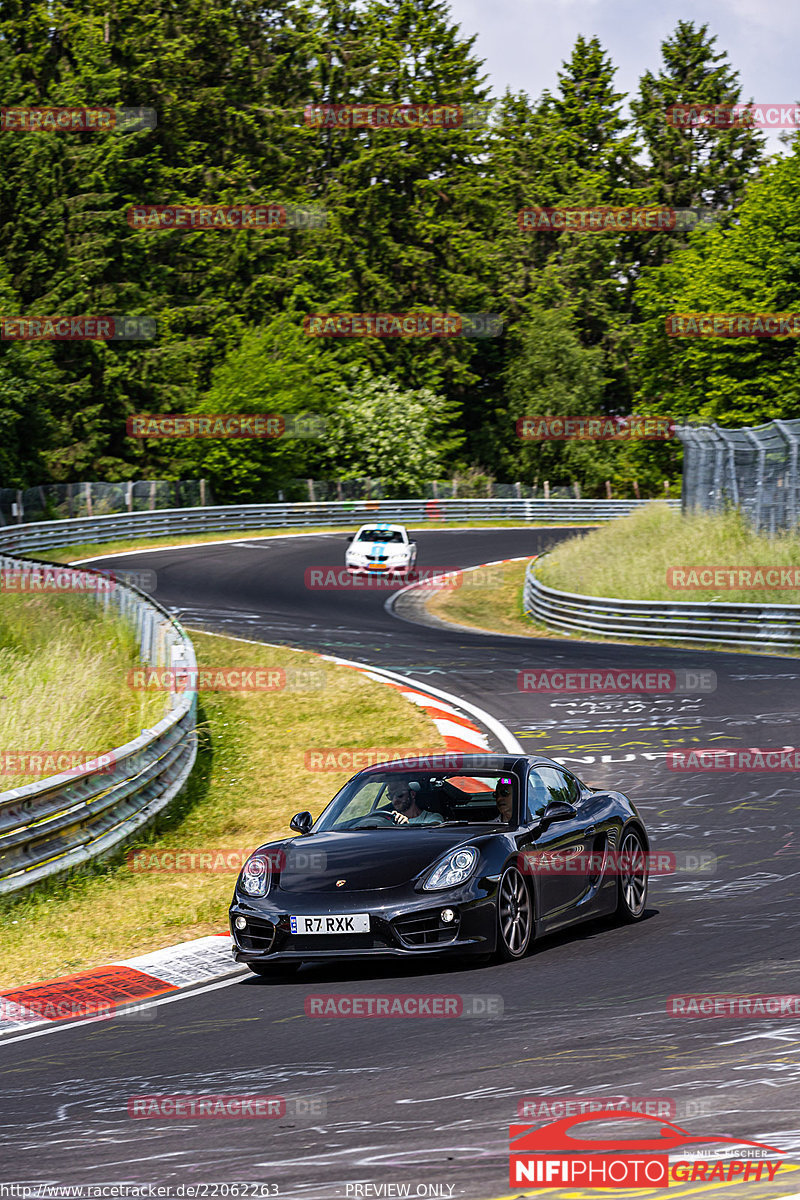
[{"x": 504, "y": 799}]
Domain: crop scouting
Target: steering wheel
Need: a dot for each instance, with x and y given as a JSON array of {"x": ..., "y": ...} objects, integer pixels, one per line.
[{"x": 366, "y": 822}]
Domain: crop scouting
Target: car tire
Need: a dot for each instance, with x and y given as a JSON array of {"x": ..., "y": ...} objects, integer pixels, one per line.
[
  {"x": 274, "y": 970},
  {"x": 514, "y": 916},
  {"x": 632, "y": 880}
]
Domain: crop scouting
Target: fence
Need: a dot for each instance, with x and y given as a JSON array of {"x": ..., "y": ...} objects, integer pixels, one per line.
[
  {"x": 177, "y": 522},
  {"x": 480, "y": 487},
  {"x": 752, "y": 468},
  {"x": 59, "y": 823},
  {"x": 52, "y": 501},
  {"x": 673, "y": 621}
]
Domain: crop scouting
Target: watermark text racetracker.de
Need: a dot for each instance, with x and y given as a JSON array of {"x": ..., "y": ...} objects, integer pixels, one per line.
[
  {"x": 733, "y": 325},
  {"x": 403, "y": 324},
  {"x": 632, "y": 428},
  {"x": 751, "y": 758},
  {"x": 397, "y": 116},
  {"x": 404, "y": 1005},
  {"x": 227, "y": 679},
  {"x": 555, "y": 1108},
  {"x": 734, "y": 578},
  {"x": 610, "y": 218},
  {"x": 224, "y": 1107},
  {"x": 76, "y": 120},
  {"x": 576, "y": 860},
  {"x": 731, "y": 116},
  {"x": 619, "y": 681},
  {"x": 77, "y": 329},
  {"x": 195, "y": 218},
  {"x": 379, "y": 576},
  {"x": 39, "y": 578},
  {"x": 188, "y": 860},
  {"x": 733, "y": 1006},
  {"x": 226, "y": 425}
]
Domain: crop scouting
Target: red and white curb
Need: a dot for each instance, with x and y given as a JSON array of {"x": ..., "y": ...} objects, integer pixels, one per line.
[
  {"x": 119, "y": 989},
  {"x": 130, "y": 988}
]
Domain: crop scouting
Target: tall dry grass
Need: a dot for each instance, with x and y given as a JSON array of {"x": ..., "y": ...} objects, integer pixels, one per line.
[
  {"x": 63, "y": 680},
  {"x": 629, "y": 558}
]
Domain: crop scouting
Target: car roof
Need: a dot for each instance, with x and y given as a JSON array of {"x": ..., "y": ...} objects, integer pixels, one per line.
[
  {"x": 463, "y": 761},
  {"x": 455, "y": 761},
  {"x": 380, "y": 525}
]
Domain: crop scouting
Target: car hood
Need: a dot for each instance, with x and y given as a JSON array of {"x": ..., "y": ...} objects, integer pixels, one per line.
[
  {"x": 367, "y": 860},
  {"x": 381, "y": 549}
]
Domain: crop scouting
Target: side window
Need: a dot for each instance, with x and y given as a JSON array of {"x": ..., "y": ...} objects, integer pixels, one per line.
[
  {"x": 537, "y": 795},
  {"x": 548, "y": 784}
]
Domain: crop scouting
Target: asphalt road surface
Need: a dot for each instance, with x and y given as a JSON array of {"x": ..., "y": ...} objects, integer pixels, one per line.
[{"x": 425, "y": 1101}]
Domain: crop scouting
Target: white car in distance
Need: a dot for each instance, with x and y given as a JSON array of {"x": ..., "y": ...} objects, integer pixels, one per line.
[{"x": 380, "y": 549}]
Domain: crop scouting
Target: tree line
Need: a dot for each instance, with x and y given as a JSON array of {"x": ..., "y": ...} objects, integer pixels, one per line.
[{"x": 417, "y": 219}]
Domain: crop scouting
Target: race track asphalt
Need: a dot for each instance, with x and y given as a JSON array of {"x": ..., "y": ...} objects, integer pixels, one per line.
[{"x": 427, "y": 1101}]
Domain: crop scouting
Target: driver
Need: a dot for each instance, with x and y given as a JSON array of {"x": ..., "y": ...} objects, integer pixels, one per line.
[{"x": 404, "y": 806}]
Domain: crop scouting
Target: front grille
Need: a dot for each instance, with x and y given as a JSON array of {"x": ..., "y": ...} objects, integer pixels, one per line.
[
  {"x": 425, "y": 929},
  {"x": 258, "y": 936},
  {"x": 329, "y": 941}
]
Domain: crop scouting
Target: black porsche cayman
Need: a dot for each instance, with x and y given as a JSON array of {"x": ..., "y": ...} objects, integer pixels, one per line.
[{"x": 457, "y": 854}]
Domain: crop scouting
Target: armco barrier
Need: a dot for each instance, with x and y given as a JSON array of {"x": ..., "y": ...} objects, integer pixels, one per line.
[
  {"x": 61, "y": 822},
  {"x": 172, "y": 522},
  {"x": 672, "y": 621}
]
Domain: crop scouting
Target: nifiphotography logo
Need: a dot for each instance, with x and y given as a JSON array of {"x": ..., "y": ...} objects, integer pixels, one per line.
[{"x": 552, "y": 1156}]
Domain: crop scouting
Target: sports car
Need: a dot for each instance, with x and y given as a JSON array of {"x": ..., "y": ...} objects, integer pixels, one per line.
[
  {"x": 455, "y": 854},
  {"x": 381, "y": 550}
]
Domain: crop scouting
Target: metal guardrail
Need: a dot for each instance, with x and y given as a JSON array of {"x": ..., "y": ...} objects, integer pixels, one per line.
[
  {"x": 47, "y": 535},
  {"x": 61, "y": 822},
  {"x": 672, "y": 621}
]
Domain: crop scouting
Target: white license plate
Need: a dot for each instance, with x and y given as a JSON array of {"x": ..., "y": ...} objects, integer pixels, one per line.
[{"x": 354, "y": 923}]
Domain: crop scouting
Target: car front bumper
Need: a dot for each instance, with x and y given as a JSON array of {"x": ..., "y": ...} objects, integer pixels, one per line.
[{"x": 403, "y": 929}]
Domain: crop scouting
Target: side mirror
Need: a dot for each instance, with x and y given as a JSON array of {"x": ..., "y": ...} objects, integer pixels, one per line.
[
  {"x": 301, "y": 822},
  {"x": 350, "y": 538},
  {"x": 558, "y": 810}
]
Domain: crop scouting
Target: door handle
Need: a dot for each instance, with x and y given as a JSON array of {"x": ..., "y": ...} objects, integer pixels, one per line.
[{"x": 591, "y": 829}]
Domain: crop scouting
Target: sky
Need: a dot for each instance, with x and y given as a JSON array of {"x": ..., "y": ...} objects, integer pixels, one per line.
[{"x": 524, "y": 42}]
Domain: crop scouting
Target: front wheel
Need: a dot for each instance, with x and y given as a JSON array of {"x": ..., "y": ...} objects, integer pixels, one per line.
[
  {"x": 514, "y": 916},
  {"x": 632, "y": 879}
]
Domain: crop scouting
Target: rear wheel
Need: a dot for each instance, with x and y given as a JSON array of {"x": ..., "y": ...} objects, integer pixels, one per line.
[
  {"x": 514, "y": 916},
  {"x": 632, "y": 879}
]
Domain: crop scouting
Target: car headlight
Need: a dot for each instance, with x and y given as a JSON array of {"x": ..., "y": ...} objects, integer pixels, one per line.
[
  {"x": 255, "y": 875},
  {"x": 455, "y": 868}
]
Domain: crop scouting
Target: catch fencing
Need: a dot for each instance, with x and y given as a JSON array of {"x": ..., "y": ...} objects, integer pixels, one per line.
[
  {"x": 59, "y": 823},
  {"x": 754, "y": 469},
  {"x": 55, "y": 501}
]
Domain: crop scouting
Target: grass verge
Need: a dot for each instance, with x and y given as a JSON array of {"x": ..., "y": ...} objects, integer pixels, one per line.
[
  {"x": 54, "y": 647},
  {"x": 495, "y": 609},
  {"x": 629, "y": 558},
  {"x": 250, "y": 778}
]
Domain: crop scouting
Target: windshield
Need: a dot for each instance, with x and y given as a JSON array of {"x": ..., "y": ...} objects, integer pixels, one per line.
[
  {"x": 390, "y": 800},
  {"x": 381, "y": 535}
]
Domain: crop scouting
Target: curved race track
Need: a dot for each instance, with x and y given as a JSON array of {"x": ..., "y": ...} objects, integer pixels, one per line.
[{"x": 429, "y": 1101}]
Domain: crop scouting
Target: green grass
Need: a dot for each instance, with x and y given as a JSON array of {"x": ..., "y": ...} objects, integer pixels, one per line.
[
  {"x": 629, "y": 558},
  {"x": 496, "y": 607},
  {"x": 250, "y": 778},
  {"x": 52, "y": 650}
]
